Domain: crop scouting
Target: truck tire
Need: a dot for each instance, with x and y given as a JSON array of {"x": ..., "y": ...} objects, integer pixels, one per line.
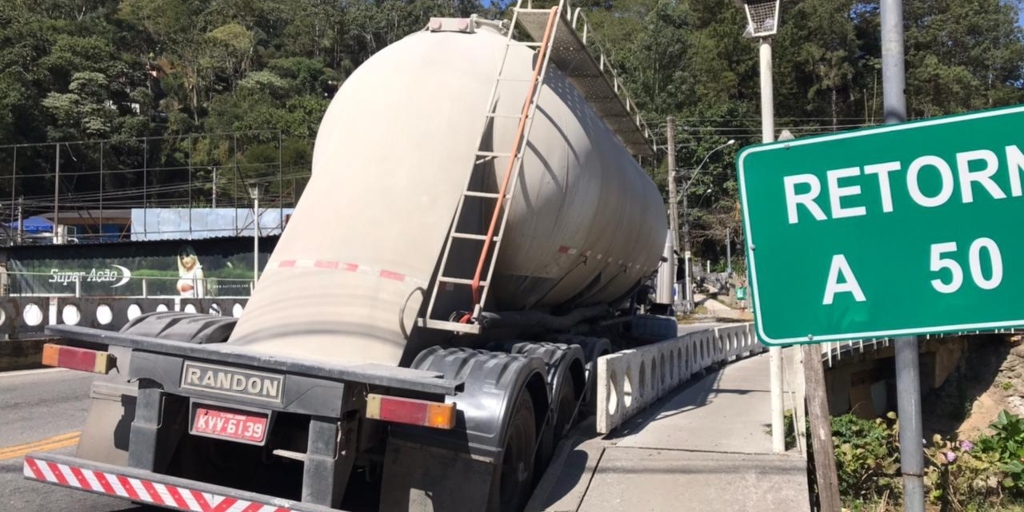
[
  {"x": 515, "y": 480},
  {"x": 565, "y": 375},
  {"x": 593, "y": 348}
]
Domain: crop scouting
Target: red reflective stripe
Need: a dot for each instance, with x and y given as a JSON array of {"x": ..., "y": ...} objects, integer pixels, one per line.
[
  {"x": 153, "y": 494},
  {"x": 81, "y": 478},
  {"x": 201, "y": 500},
  {"x": 38, "y": 473},
  {"x": 225, "y": 504},
  {"x": 55, "y": 469},
  {"x": 176, "y": 496},
  {"x": 351, "y": 267},
  {"x": 387, "y": 274},
  {"x": 104, "y": 483},
  {"x": 129, "y": 488},
  {"x": 287, "y": 263},
  {"x": 325, "y": 264}
]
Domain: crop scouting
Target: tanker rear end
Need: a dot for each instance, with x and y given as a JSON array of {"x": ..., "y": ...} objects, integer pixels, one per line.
[{"x": 367, "y": 357}]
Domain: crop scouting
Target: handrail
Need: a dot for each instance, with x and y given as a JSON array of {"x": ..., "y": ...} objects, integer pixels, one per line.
[{"x": 513, "y": 159}]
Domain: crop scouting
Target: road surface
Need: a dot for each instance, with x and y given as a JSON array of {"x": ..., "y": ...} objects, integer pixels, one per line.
[{"x": 44, "y": 410}]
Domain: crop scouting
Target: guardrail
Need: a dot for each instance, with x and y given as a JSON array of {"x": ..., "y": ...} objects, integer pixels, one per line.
[
  {"x": 630, "y": 380},
  {"x": 833, "y": 351}
]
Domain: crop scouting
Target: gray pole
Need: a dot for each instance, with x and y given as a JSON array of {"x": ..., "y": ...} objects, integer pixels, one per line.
[
  {"x": 145, "y": 188},
  {"x": 280, "y": 181},
  {"x": 21, "y": 222},
  {"x": 255, "y": 239},
  {"x": 688, "y": 265},
  {"x": 728, "y": 254},
  {"x": 908, "y": 383},
  {"x": 101, "y": 192},
  {"x": 673, "y": 207},
  {"x": 56, "y": 195},
  {"x": 774, "y": 353}
]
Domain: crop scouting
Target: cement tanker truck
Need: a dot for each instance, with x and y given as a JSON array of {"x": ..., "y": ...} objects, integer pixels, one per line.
[{"x": 475, "y": 234}]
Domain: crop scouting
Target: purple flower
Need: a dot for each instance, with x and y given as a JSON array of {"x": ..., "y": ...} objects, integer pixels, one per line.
[
  {"x": 950, "y": 457},
  {"x": 966, "y": 446}
]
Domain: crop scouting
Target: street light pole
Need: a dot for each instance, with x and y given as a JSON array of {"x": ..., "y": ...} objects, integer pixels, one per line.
[
  {"x": 254, "y": 193},
  {"x": 686, "y": 219},
  {"x": 763, "y": 23}
]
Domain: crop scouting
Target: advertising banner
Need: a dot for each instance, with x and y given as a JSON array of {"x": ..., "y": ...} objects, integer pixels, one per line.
[{"x": 207, "y": 268}]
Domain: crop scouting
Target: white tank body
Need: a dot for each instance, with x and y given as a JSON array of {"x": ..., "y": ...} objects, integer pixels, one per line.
[{"x": 350, "y": 274}]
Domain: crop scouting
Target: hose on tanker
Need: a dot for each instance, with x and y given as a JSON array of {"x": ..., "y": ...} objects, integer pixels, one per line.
[
  {"x": 538, "y": 319},
  {"x": 401, "y": 311}
]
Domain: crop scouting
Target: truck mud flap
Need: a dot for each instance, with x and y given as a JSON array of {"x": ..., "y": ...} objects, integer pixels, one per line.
[{"x": 141, "y": 486}]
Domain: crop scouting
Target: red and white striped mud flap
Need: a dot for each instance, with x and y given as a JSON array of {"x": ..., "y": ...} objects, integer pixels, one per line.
[{"x": 154, "y": 489}]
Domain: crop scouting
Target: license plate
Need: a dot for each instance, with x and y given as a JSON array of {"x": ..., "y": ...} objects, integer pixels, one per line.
[{"x": 230, "y": 424}]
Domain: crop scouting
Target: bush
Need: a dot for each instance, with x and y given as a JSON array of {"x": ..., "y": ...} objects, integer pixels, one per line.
[
  {"x": 867, "y": 458},
  {"x": 959, "y": 475}
]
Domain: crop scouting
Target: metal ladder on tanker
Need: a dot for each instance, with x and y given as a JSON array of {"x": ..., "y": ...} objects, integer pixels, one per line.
[{"x": 479, "y": 283}]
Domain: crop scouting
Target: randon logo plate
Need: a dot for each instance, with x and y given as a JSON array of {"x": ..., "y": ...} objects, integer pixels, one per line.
[{"x": 232, "y": 381}]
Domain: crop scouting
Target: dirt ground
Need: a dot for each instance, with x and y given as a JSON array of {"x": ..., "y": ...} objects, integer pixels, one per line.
[{"x": 989, "y": 379}]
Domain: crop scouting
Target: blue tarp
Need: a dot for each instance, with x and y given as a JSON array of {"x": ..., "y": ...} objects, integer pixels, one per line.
[{"x": 33, "y": 225}]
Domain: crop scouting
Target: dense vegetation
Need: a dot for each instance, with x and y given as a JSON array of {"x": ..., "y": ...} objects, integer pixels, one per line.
[
  {"x": 264, "y": 70},
  {"x": 986, "y": 473}
]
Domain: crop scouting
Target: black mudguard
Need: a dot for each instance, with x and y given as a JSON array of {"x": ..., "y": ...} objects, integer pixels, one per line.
[{"x": 454, "y": 470}]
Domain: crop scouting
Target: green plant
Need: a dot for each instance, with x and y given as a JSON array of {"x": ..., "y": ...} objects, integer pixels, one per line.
[
  {"x": 867, "y": 457},
  {"x": 1007, "y": 442},
  {"x": 961, "y": 475}
]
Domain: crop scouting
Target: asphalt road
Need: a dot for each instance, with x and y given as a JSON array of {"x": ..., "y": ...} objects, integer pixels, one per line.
[{"x": 43, "y": 410}]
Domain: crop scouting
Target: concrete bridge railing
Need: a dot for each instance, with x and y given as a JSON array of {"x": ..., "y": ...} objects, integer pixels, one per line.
[
  {"x": 630, "y": 380},
  {"x": 27, "y": 316}
]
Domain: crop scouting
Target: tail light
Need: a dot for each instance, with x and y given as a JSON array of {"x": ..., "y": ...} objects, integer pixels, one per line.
[
  {"x": 81, "y": 359},
  {"x": 410, "y": 411}
]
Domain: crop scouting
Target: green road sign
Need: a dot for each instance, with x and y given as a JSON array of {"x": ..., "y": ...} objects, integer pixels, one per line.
[
  {"x": 906, "y": 229},
  {"x": 741, "y": 293}
]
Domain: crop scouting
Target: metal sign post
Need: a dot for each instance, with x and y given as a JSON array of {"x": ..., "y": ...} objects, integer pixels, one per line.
[{"x": 908, "y": 368}]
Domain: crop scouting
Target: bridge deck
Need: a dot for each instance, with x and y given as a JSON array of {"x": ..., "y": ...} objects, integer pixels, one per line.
[{"x": 706, "y": 446}]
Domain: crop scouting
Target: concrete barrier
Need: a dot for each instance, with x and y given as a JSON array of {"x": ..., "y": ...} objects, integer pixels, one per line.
[
  {"x": 27, "y": 317},
  {"x": 630, "y": 380}
]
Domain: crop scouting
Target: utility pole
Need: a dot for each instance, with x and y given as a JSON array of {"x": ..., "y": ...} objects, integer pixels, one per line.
[
  {"x": 673, "y": 208},
  {"x": 728, "y": 254},
  {"x": 214, "y": 187},
  {"x": 908, "y": 383},
  {"x": 56, "y": 196},
  {"x": 672, "y": 205}
]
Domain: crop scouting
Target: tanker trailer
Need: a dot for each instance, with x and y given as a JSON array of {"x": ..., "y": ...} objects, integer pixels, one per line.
[{"x": 404, "y": 340}]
